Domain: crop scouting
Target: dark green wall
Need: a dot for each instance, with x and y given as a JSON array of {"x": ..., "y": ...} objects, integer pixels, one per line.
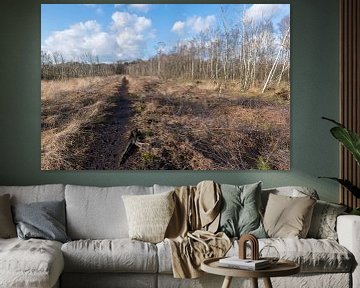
[{"x": 314, "y": 94}]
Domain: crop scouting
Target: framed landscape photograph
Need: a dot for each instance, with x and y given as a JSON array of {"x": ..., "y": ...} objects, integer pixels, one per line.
[{"x": 165, "y": 86}]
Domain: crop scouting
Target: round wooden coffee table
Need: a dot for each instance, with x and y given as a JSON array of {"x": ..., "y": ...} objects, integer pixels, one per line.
[{"x": 281, "y": 268}]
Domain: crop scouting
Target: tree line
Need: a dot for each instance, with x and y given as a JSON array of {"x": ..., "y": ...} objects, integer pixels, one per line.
[
  {"x": 55, "y": 67},
  {"x": 249, "y": 52}
]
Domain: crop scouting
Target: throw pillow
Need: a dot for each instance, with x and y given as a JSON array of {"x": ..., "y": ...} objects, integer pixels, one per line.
[
  {"x": 288, "y": 217},
  {"x": 149, "y": 215},
  {"x": 323, "y": 222},
  {"x": 240, "y": 210},
  {"x": 7, "y": 227},
  {"x": 43, "y": 220}
]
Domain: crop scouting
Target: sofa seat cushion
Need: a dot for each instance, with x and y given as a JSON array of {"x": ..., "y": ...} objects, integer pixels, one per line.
[
  {"x": 30, "y": 263},
  {"x": 313, "y": 255},
  {"x": 115, "y": 255}
]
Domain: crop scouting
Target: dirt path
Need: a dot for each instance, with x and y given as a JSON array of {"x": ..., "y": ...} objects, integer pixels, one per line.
[
  {"x": 112, "y": 136},
  {"x": 190, "y": 126}
]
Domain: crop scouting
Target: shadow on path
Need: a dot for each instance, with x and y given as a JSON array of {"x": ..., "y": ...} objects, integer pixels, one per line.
[{"x": 112, "y": 134}]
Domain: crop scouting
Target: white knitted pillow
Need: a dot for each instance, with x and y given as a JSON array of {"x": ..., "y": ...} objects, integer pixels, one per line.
[{"x": 149, "y": 215}]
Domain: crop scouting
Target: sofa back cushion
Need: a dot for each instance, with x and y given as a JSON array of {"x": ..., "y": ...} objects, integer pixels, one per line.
[
  {"x": 163, "y": 188},
  {"x": 98, "y": 213},
  {"x": 36, "y": 193}
]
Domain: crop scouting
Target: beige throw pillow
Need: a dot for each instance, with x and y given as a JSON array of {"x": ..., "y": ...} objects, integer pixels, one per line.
[
  {"x": 7, "y": 226},
  {"x": 288, "y": 217},
  {"x": 148, "y": 215}
]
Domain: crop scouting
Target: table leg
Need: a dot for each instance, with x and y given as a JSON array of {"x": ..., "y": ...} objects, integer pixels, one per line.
[
  {"x": 254, "y": 282},
  {"x": 267, "y": 283},
  {"x": 227, "y": 282}
]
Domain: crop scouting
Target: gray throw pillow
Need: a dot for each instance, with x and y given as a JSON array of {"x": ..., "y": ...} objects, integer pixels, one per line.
[
  {"x": 240, "y": 213},
  {"x": 7, "y": 227},
  {"x": 43, "y": 220},
  {"x": 323, "y": 222}
]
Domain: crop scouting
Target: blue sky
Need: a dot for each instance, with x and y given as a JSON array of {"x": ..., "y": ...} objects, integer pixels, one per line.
[{"x": 131, "y": 31}]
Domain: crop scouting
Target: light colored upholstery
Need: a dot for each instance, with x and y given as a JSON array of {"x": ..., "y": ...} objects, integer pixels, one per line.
[
  {"x": 163, "y": 188},
  {"x": 313, "y": 255},
  {"x": 164, "y": 257},
  {"x": 30, "y": 263},
  {"x": 108, "y": 280},
  {"x": 148, "y": 216},
  {"x": 98, "y": 213},
  {"x": 293, "y": 191},
  {"x": 117, "y": 255},
  {"x": 36, "y": 193},
  {"x": 348, "y": 229}
]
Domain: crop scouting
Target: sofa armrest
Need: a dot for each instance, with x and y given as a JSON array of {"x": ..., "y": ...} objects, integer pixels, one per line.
[{"x": 348, "y": 230}]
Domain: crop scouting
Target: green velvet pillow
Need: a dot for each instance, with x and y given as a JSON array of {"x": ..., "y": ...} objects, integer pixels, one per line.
[{"x": 240, "y": 213}]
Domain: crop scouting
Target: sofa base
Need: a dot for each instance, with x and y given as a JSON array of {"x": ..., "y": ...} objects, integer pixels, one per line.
[
  {"x": 108, "y": 280},
  {"x": 309, "y": 280},
  {"x": 134, "y": 280}
]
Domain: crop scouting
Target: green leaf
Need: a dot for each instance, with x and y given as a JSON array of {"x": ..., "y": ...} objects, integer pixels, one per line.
[
  {"x": 333, "y": 121},
  {"x": 347, "y": 184},
  {"x": 349, "y": 139}
]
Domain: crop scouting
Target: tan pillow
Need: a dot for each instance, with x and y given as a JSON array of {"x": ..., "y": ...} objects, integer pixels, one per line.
[
  {"x": 288, "y": 217},
  {"x": 148, "y": 215},
  {"x": 7, "y": 226}
]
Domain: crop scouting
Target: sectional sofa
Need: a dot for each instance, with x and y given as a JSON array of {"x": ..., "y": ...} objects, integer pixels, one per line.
[{"x": 102, "y": 255}]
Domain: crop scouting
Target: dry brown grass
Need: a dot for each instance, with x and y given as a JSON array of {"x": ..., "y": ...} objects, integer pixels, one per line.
[
  {"x": 69, "y": 109},
  {"x": 182, "y": 125},
  {"x": 190, "y": 125}
]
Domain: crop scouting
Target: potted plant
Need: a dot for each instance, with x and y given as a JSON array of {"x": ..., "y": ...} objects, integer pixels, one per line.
[{"x": 351, "y": 141}]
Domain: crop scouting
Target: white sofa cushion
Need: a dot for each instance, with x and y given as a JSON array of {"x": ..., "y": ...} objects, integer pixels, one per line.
[
  {"x": 313, "y": 255},
  {"x": 98, "y": 213},
  {"x": 30, "y": 263},
  {"x": 348, "y": 229},
  {"x": 117, "y": 255},
  {"x": 36, "y": 193}
]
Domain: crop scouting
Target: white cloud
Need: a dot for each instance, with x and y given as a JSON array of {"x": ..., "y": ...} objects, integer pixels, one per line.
[
  {"x": 178, "y": 27},
  {"x": 138, "y": 7},
  {"x": 131, "y": 34},
  {"x": 258, "y": 12},
  {"x": 78, "y": 39},
  {"x": 194, "y": 24},
  {"x": 200, "y": 24},
  {"x": 124, "y": 20},
  {"x": 126, "y": 39}
]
